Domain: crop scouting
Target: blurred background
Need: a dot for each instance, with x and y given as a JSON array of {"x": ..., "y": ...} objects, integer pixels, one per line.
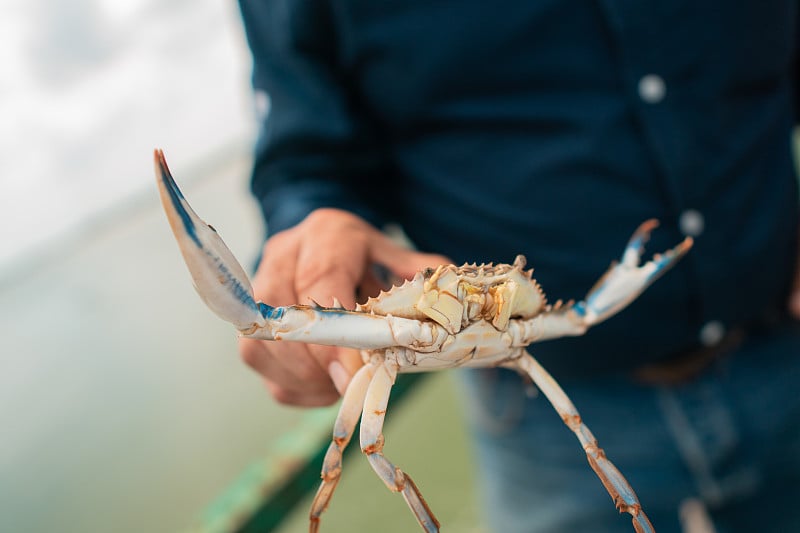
[{"x": 123, "y": 405}]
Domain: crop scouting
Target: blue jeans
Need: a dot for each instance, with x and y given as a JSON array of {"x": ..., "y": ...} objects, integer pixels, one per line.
[{"x": 729, "y": 438}]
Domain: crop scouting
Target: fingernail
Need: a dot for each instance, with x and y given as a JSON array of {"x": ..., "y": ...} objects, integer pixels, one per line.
[{"x": 340, "y": 377}]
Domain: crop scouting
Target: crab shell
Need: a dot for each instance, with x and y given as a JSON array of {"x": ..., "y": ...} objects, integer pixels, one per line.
[{"x": 455, "y": 297}]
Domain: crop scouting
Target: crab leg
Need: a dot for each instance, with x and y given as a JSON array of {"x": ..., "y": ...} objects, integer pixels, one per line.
[
  {"x": 345, "y": 424},
  {"x": 615, "y": 483},
  {"x": 223, "y": 285},
  {"x": 617, "y": 288},
  {"x": 372, "y": 445}
]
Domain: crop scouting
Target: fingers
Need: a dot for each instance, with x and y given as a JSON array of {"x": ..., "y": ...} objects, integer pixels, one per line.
[
  {"x": 330, "y": 264},
  {"x": 293, "y": 373},
  {"x": 322, "y": 258},
  {"x": 290, "y": 373},
  {"x": 402, "y": 262},
  {"x": 343, "y": 368},
  {"x": 332, "y": 259}
]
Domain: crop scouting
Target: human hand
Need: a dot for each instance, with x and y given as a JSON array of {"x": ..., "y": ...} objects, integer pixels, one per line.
[{"x": 327, "y": 255}]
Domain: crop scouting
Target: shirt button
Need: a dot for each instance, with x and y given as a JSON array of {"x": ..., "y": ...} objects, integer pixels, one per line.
[
  {"x": 712, "y": 333},
  {"x": 261, "y": 104},
  {"x": 652, "y": 88},
  {"x": 691, "y": 223}
]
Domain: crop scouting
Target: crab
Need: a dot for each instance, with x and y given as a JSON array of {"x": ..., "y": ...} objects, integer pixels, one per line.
[{"x": 468, "y": 316}]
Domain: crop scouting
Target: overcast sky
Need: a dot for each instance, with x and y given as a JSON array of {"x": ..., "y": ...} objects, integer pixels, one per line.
[{"x": 89, "y": 87}]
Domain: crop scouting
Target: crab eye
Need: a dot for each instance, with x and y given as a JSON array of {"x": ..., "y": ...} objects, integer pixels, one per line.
[{"x": 428, "y": 272}]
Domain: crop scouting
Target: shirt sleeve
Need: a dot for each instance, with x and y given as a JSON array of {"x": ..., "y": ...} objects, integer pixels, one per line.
[{"x": 316, "y": 147}]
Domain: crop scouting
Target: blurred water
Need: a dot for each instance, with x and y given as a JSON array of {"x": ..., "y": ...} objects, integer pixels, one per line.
[
  {"x": 89, "y": 87},
  {"x": 123, "y": 405},
  {"x": 115, "y": 384}
]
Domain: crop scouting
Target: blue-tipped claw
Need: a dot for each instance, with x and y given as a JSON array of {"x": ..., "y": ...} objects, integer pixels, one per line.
[
  {"x": 635, "y": 248},
  {"x": 218, "y": 277},
  {"x": 627, "y": 280}
]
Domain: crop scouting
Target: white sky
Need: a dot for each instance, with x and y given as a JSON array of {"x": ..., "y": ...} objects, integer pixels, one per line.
[{"x": 89, "y": 87}]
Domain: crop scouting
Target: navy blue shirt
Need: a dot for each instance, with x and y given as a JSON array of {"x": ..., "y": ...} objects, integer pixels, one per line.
[{"x": 550, "y": 128}]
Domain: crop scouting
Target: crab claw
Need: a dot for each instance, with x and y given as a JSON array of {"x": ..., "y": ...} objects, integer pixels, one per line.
[
  {"x": 218, "y": 277},
  {"x": 627, "y": 280}
]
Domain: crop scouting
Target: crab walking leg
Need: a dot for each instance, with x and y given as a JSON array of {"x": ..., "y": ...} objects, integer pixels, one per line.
[
  {"x": 615, "y": 483},
  {"x": 372, "y": 445},
  {"x": 343, "y": 428}
]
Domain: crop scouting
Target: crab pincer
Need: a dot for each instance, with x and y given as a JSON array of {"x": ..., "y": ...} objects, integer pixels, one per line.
[
  {"x": 223, "y": 285},
  {"x": 217, "y": 276},
  {"x": 626, "y": 280}
]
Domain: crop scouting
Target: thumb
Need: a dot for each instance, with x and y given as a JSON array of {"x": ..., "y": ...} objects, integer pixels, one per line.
[{"x": 343, "y": 367}]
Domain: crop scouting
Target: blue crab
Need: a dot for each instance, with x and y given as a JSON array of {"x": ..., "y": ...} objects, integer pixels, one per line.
[{"x": 467, "y": 316}]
